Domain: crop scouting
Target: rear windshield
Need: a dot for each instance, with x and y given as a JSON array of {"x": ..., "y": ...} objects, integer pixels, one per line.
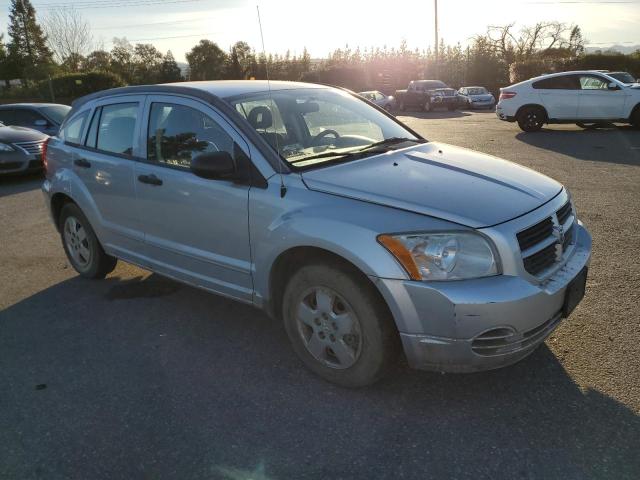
[{"x": 477, "y": 91}]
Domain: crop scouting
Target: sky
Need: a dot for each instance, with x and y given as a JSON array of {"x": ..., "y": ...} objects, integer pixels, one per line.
[{"x": 324, "y": 25}]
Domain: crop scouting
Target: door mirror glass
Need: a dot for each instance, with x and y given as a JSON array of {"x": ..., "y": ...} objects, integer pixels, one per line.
[
  {"x": 613, "y": 86},
  {"x": 41, "y": 123},
  {"x": 213, "y": 165}
]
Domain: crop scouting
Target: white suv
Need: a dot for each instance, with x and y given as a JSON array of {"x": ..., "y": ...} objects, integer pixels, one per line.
[{"x": 586, "y": 98}]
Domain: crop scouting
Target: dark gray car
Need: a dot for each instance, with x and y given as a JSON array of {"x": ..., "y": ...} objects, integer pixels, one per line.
[
  {"x": 20, "y": 149},
  {"x": 44, "y": 117}
]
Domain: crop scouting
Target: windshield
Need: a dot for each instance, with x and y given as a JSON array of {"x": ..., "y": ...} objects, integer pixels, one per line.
[
  {"x": 318, "y": 122},
  {"x": 56, "y": 112},
  {"x": 477, "y": 91},
  {"x": 623, "y": 77}
]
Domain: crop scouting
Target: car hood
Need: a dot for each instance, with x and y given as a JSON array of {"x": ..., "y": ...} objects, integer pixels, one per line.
[
  {"x": 11, "y": 134},
  {"x": 440, "y": 180}
]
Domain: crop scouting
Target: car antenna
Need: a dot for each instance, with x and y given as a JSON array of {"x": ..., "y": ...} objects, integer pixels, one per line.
[{"x": 283, "y": 189}]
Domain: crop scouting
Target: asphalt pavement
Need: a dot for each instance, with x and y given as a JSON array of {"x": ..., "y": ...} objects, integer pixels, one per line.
[{"x": 139, "y": 377}]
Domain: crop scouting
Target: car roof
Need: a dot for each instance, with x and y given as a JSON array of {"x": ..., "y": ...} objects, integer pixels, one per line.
[
  {"x": 31, "y": 105},
  {"x": 232, "y": 88},
  {"x": 572, "y": 72}
]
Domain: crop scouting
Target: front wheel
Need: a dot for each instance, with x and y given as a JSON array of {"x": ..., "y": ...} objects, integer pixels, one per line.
[
  {"x": 81, "y": 244},
  {"x": 338, "y": 325},
  {"x": 531, "y": 119}
]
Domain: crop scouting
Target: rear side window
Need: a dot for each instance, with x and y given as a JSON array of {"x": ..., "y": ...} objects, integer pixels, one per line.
[
  {"x": 178, "y": 133},
  {"x": 72, "y": 131},
  {"x": 116, "y": 126},
  {"x": 563, "y": 82}
]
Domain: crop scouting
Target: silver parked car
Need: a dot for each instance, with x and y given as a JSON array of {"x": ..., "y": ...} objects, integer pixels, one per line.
[
  {"x": 476, "y": 97},
  {"x": 44, "y": 117},
  {"x": 20, "y": 150},
  {"x": 331, "y": 215},
  {"x": 388, "y": 102}
]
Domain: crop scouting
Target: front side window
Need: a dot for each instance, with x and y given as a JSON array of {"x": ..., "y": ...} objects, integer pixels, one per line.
[
  {"x": 72, "y": 131},
  {"x": 116, "y": 128},
  {"x": 178, "y": 133},
  {"x": 57, "y": 113},
  {"x": 591, "y": 82},
  {"x": 303, "y": 123},
  {"x": 7, "y": 117}
]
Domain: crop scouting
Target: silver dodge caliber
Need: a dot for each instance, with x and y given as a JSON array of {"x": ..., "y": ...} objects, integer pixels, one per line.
[{"x": 322, "y": 209}]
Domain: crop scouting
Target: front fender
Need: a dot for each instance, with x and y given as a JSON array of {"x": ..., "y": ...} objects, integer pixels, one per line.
[{"x": 343, "y": 226}]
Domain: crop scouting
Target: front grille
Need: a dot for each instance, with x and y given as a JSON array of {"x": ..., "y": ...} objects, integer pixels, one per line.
[
  {"x": 540, "y": 261},
  {"x": 540, "y": 244},
  {"x": 536, "y": 234},
  {"x": 35, "y": 148},
  {"x": 500, "y": 341},
  {"x": 10, "y": 165},
  {"x": 564, "y": 213}
]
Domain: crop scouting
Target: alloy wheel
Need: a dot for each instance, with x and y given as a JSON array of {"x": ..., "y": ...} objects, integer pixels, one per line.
[{"x": 77, "y": 242}]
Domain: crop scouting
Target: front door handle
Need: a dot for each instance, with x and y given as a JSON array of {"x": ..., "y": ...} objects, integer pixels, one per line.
[
  {"x": 82, "y": 163},
  {"x": 150, "y": 179}
]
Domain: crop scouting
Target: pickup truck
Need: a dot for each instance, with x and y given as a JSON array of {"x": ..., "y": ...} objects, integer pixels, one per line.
[{"x": 427, "y": 94}]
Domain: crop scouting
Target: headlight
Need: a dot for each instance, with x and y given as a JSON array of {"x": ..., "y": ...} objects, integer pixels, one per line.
[
  {"x": 442, "y": 256},
  {"x": 6, "y": 148}
]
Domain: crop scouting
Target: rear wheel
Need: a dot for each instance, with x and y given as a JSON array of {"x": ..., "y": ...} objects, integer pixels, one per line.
[
  {"x": 531, "y": 119},
  {"x": 81, "y": 244},
  {"x": 338, "y": 325},
  {"x": 635, "y": 118}
]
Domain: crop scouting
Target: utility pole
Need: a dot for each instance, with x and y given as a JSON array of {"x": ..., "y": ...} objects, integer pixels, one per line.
[{"x": 435, "y": 17}]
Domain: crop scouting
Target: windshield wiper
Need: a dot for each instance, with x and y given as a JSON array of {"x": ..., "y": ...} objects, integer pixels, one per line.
[{"x": 361, "y": 152}]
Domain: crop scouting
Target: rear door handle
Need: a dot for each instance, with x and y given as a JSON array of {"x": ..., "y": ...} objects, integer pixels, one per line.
[
  {"x": 82, "y": 163},
  {"x": 150, "y": 179}
]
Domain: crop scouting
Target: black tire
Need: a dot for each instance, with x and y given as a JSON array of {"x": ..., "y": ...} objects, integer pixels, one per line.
[
  {"x": 635, "y": 118},
  {"x": 531, "y": 119},
  {"x": 98, "y": 264},
  {"x": 378, "y": 341}
]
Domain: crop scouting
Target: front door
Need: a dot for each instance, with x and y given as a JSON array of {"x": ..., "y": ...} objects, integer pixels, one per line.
[
  {"x": 196, "y": 229},
  {"x": 597, "y": 101}
]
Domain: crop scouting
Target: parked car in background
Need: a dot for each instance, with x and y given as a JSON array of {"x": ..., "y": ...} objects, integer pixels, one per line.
[
  {"x": 586, "y": 98},
  {"x": 358, "y": 234},
  {"x": 388, "y": 102},
  {"x": 44, "y": 117},
  {"x": 427, "y": 95},
  {"x": 20, "y": 150},
  {"x": 476, "y": 97},
  {"x": 624, "y": 77}
]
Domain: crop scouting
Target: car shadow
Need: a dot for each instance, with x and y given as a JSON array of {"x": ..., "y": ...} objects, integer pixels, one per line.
[
  {"x": 599, "y": 145},
  {"x": 14, "y": 184},
  {"x": 434, "y": 114},
  {"x": 147, "y": 378}
]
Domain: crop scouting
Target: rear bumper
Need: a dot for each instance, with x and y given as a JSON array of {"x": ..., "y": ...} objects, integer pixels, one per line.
[
  {"x": 503, "y": 115},
  {"x": 445, "y": 326}
]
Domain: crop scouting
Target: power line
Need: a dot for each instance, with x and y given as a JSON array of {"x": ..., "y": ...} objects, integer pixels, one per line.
[
  {"x": 170, "y": 22},
  {"x": 111, "y": 4}
]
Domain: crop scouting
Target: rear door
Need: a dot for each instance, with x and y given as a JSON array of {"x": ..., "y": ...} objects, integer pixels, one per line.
[
  {"x": 560, "y": 96},
  {"x": 196, "y": 229},
  {"x": 597, "y": 101},
  {"x": 105, "y": 164}
]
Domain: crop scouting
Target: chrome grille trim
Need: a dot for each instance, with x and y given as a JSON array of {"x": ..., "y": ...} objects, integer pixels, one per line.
[{"x": 33, "y": 148}]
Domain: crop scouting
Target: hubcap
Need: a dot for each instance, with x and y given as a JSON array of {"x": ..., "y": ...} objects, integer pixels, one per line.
[
  {"x": 532, "y": 119},
  {"x": 329, "y": 328},
  {"x": 75, "y": 237}
]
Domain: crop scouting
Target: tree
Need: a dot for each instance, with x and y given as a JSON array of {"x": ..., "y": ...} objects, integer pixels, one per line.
[
  {"x": 28, "y": 50},
  {"x": 206, "y": 61},
  {"x": 147, "y": 61},
  {"x": 69, "y": 36},
  {"x": 98, "y": 60},
  {"x": 169, "y": 69},
  {"x": 122, "y": 63},
  {"x": 240, "y": 60}
]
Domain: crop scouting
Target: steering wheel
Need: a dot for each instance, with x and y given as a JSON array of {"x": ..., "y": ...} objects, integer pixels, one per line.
[{"x": 315, "y": 141}]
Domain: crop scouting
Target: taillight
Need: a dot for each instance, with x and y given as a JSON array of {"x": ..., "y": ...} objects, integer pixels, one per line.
[
  {"x": 507, "y": 95},
  {"x": 44, "y": 153}
]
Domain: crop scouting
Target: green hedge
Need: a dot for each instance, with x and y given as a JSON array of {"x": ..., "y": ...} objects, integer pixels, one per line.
[{"x": 76, "y": 85}]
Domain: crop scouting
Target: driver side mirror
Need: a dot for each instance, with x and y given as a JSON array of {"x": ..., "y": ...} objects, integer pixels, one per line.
[
  {"x": 214, "y": 165},
  {"x": 613, "y": 86}
]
